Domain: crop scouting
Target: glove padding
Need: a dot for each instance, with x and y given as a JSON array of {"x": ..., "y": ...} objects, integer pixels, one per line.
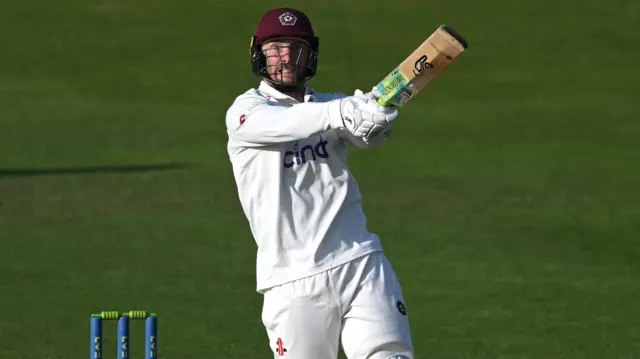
[
  {"x": 364, "y": 117},
  {"x": 374, "y": 94},
  {"x": 376, "y": 140}
]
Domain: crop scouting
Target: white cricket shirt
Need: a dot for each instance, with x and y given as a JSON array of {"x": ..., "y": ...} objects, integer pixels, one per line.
[{"x": 302, "y": 202}]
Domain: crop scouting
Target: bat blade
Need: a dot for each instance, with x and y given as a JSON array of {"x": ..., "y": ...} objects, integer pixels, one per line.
[{"x": 424, "y": 64}]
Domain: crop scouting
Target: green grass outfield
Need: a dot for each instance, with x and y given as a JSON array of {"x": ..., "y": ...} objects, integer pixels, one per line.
[{"x": 508, "y": 199}]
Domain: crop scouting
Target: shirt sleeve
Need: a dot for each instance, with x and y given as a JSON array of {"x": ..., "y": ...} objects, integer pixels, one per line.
[{"x": 256, "y": 121}]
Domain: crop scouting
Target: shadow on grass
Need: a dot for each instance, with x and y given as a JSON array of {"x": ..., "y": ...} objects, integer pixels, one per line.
[{"x": 32, "y": 172}]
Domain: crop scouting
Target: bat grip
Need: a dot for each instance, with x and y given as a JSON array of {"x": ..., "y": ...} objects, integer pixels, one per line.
[{"x": 383, "y": 103}]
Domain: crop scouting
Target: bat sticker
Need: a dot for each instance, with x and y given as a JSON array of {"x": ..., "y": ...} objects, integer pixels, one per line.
[{"x": 421, "y": 64}]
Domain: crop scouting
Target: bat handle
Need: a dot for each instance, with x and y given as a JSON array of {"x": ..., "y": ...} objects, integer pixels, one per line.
[{"x": 382, "y": 102}]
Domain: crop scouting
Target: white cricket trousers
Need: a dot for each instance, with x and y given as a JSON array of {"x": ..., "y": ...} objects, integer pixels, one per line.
[{"x": 358, "y": 303}]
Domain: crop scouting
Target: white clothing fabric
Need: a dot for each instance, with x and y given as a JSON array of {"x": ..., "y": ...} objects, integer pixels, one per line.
[
  {"x": 358, "y": 304},
  {"x": 303, "y": 204}
]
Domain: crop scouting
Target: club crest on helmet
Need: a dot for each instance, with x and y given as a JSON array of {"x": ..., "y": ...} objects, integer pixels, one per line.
[{"x": 287, "y": 19}]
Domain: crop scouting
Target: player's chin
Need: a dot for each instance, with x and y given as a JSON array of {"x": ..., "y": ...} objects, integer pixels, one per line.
[{"x": 287, "y": 78}]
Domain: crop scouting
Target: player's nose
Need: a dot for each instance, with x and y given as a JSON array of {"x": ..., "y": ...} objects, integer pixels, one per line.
[{"x": 285, "y": 57}]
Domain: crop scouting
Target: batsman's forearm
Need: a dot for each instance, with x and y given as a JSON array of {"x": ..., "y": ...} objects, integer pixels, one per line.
[{"x": 276, "y": 124}]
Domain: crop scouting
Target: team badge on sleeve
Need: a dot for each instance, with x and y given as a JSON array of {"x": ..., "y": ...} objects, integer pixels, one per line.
[{"x": 280, "y": 349}]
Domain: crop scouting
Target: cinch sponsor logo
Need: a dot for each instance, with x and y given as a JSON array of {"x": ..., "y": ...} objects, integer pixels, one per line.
[{"x": 305, "y": 154}]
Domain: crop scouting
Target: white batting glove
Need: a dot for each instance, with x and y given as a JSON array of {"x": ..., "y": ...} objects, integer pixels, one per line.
[
  {"x": 373, "y": 105},
  {"x": 374, "y": 94},
  {"x": 364, "y": 117},
  {"x": 375, "y": 140}
]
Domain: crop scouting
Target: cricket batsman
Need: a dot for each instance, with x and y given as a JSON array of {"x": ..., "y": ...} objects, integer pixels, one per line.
[{"x": 324, "y": 277}]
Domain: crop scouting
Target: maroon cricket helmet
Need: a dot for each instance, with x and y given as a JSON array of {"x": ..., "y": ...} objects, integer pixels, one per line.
[
  {"x": 287, "y": 23},
  {"x": 284, "y": 23}
]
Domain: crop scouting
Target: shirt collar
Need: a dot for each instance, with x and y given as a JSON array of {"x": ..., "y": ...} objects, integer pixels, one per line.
[{"x": 309, "y": 95}]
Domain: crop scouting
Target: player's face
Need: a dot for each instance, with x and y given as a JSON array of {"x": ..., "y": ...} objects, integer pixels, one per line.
[{"x": 285, "y": 59}]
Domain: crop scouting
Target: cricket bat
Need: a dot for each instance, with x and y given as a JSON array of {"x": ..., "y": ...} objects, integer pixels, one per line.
[{"x": 424, "y": 64}]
